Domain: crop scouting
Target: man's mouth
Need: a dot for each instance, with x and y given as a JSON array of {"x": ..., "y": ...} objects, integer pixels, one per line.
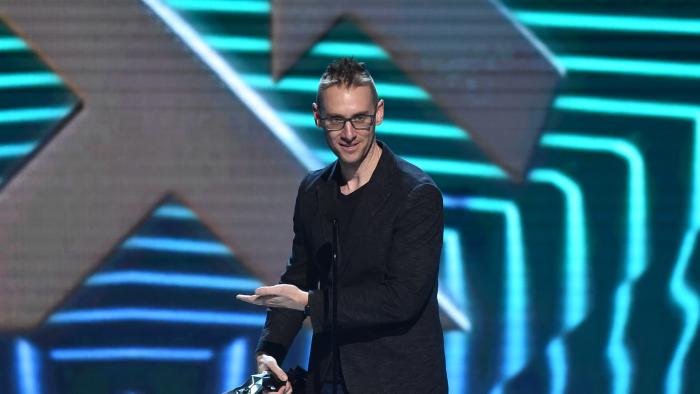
[{"x": 349, "y": 148}]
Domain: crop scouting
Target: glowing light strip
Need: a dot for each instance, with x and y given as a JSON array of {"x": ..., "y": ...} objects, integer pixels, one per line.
[
  {"x": 173, "y": 279},
  {"x": 130, "y": 353},
  {"x": 27, "y": 364},
  {"x": 625, "y": 107},
  {"x": 175, "y": 212},
  {"x": 310, "y": 85},
  {"x": 617, "y": 353},
  {"x": 567, "y": 20},
  {"x": 451, "y": 273},
  {"x": 104, "y": 315},
  {"x": 456, "y": 350},
  {"x": 177, "y": 245},
  {"x": 25, "y": 115},
  {"x": 238, "y": 43},
  {"x": 636, "y": 251},
  {"x": 238, "y": 6},
  {"x": 516, "y": 332},
  {"x": 630, "y": 66},
  {"x": 8, "y": 44},
  {"x": 233, "y": 366},
  {"x": 29, "y": 80},
  {"x": 695, "y": 200},
  {"x": 15, "y": 150},
  {"x": 257, "y": 105},
  {"x": 556, "y": 356},
  {"x": 403, "y": 128},
  {"x": 453, "y": 276},
  {"x": 361, "y": 50},
  {"x": 637, "y": 226},
  {"x": 687, "y": 300}
]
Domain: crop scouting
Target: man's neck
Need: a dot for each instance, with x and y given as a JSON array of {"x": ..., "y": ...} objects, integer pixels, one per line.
[{"x": 357, "y": 176}]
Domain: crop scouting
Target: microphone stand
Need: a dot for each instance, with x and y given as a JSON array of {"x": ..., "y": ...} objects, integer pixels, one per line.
[{"x": 334, "y": 297}]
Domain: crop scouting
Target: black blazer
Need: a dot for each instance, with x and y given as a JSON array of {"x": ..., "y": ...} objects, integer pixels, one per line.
[{"x": 390, "y": 335}]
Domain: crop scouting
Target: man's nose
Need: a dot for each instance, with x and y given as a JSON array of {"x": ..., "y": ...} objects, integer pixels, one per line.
[{"x": 348, "y": 132}]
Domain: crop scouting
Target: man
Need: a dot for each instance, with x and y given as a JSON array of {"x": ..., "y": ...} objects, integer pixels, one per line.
[{"x": 391, "y": 224}]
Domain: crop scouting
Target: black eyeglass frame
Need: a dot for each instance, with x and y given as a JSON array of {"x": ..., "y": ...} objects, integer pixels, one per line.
[{"x": 345, "y": 120}]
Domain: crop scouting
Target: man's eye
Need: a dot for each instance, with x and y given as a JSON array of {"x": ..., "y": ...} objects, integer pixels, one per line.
[
  {"x": 360, "y": 118},
  {"x": 337, "y": 120}
]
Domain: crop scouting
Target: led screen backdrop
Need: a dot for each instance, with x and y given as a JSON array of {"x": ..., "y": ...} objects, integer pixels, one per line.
[{"x": 149, "y": 158}]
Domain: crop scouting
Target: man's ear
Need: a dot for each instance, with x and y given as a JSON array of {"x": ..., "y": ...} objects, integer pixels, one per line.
[
  {"x": 315, "y": 109},
  {"x": 380, "y": 112}
]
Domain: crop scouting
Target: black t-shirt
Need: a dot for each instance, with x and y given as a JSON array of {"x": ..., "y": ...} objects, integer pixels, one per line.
[{"x": 347, "y": 204}]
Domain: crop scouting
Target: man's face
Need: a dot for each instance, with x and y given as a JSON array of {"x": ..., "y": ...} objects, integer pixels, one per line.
[{"x": 350, "y": 145}]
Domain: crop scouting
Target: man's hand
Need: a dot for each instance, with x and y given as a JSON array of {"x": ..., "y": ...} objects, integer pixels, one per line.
[
  {"x": 268, "y": 363},
  {"x": 278, "y": 296}
]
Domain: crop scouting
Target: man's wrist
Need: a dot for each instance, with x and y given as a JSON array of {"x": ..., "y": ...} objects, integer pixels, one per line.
[{"x": 304, "y": 301}]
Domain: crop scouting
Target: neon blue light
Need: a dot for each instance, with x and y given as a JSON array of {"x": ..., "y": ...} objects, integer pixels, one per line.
[
  {"x": 636, "y": 251},
  {"x": 15, "y": 150},
  {"x": 688, "y": 301},
  {"x": 576, "y": 272},
  {"x": 609, "y": 22},
  {"x": 172, "y": 279},
  {"x": 451, "y": 272},
  {"x": 456, "y": 350},
  {"x": 308, "y": 339},
  {"x": 516, "y": 332},
  {"x": 360, "y": 50},
  {"x": 33, "y": 114},
  {"x": 556, "y": 355},
  {"x": 453, "y": 276},
  {"x": 637, "y": 227},
  {"x": 233, "y": 366},
  {"x": 12, "y": 44},
  {"x": 256, "y": 104},
  {"x": 630, "y": 66},
  {"x": 625, "y": 107},
  {"x": 130, "y": 353},
  {"x": 310, "y": 85},
  {"x": 575, "y": 240},
  {"x": 177, "y": 245},
  {"x": 238, "y": 43},
  {"x": 617, "y": 353},
  {"x": 237, "y": 6},
  {"x": 158, "y": 315},
  {"x": 404, "y": 128},
  {"x": 695, "y": 196},
  {"x": 575, "y": 261},
  {"x": 175, "y": 212},
  {"x": 27, "y": 364},
  {"x": 28, "y": 80}
]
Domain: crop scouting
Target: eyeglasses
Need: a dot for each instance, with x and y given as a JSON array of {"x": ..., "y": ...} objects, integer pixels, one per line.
[{"x": 359, "y": 122}]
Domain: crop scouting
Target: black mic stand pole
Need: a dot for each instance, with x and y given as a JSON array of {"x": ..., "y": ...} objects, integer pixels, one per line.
[{"x": 334, "y": 311}]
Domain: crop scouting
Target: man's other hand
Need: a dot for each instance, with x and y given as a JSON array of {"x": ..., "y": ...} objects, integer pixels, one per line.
[
  {"x": 268, "y": 363},
  {"x": 278, "y": 296}
]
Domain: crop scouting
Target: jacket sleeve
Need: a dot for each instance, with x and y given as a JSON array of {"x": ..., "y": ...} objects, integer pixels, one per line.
[
  {"x": 412, "y": 271},
  {"x": 281, "y": 324}
]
